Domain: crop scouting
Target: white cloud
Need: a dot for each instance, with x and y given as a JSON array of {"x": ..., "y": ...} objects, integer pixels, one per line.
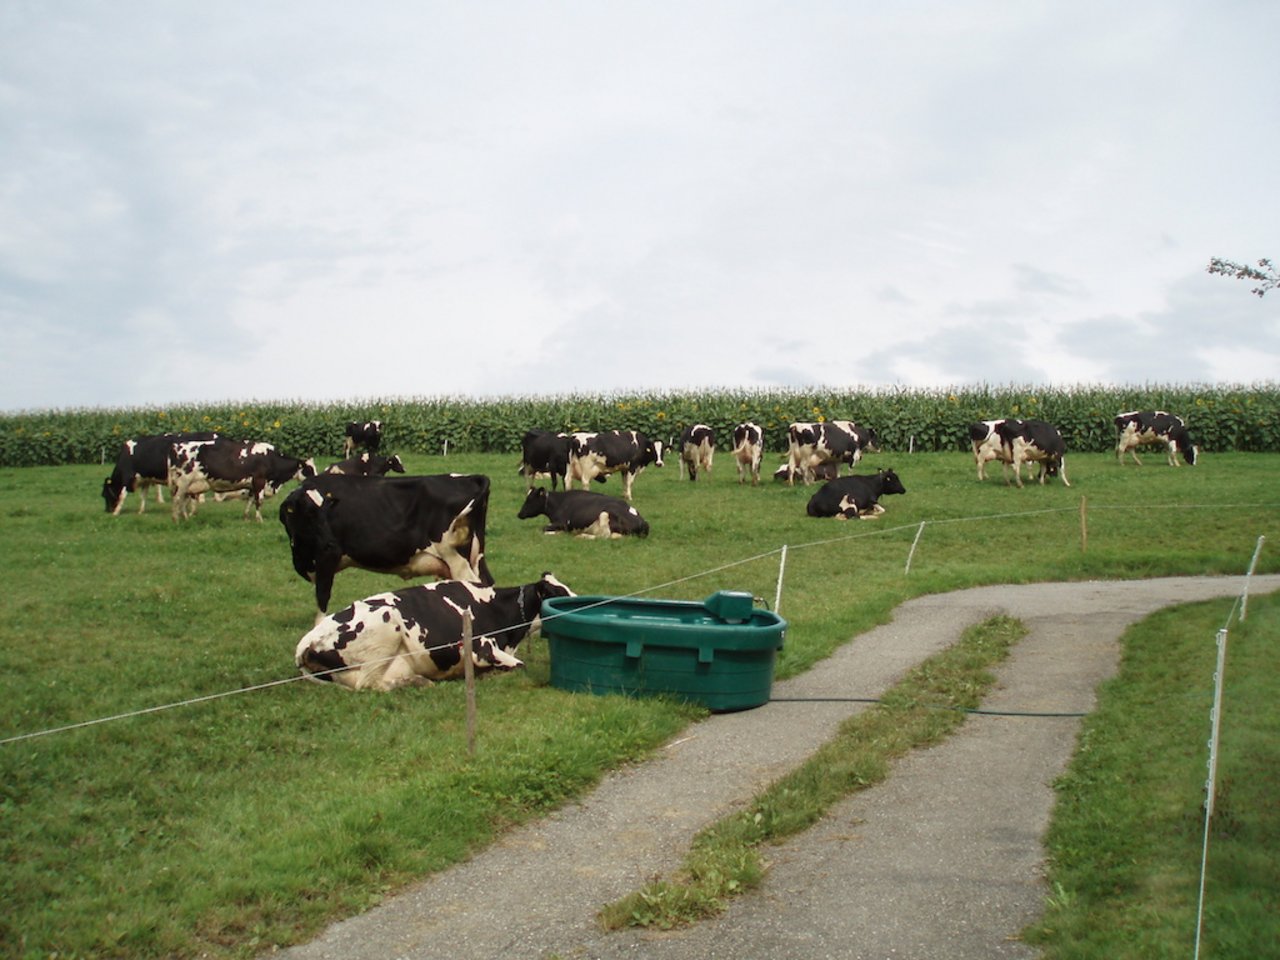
[{"x": 305, "y": 200}]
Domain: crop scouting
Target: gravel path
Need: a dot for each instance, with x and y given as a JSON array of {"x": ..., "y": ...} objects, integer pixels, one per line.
[{"x": 943, "y": 859}]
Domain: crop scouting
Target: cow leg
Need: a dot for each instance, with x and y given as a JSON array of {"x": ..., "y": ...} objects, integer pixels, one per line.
[
  {"x": 627, "y": 478},
  {"x": 1062, "y": 472}
]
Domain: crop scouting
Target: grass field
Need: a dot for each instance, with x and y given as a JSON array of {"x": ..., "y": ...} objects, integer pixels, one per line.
[{"x": 231, "y": 824}]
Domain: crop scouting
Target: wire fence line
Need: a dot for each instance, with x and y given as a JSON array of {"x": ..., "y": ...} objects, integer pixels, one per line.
[{"x": 782, "y": 551}]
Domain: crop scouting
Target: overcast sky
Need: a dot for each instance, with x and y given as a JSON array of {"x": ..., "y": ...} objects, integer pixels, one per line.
[{"x": 276, "y": 200}]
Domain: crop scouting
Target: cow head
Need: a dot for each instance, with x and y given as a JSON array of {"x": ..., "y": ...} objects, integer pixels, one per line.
[
  {"x": 316, "y": 552},
  {"x": 394, "y": 464},
  {"x": 653, "y": 453},
  {"x": 544, "y": 588},
  {"x": 112, "y": 492},
  {"x": 891, "y": 482},
  {"x": 535, "y": 504}
]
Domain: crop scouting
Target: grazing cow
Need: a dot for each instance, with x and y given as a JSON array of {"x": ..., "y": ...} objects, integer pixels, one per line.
[
  {"x": 367, "y": 434},
  {"x": 225, "y": 466},
  {"x": 1034, "y": 441},
  {"x": 1139, "y": 427},
  {"x": 411, "y": 526},
  {"x": 821, "y": 472},
  {"x": 984, "y": 435},
  {"x": 589, "y": 514},
  {"x": 854, "y": 496},
  {"x": 837, "y": 441},
  {"x": 697, "y": 449},
  {"x": 366, "y": 465},
  {"x": 628, "y": 452},
  {"x": 544, "y": 452},
  {"x": 140, "y": 463},
  {"x": 748, "y": 450},
  {"x": 414, "y": 635}
]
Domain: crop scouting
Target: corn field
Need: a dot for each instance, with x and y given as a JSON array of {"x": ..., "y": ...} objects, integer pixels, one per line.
[{"x": 1242, "y": 418}]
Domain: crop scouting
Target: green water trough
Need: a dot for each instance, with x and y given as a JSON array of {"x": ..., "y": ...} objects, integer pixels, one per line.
[{"x": 719, "y": 652}]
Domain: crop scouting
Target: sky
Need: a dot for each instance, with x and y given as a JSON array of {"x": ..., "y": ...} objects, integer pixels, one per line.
[{"x": 331, "y": 201}]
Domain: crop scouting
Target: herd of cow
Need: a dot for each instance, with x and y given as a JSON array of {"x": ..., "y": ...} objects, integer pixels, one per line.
[{"x": 355, "y": 514}]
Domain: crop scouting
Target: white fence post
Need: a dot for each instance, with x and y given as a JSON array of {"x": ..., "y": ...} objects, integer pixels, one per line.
[
  {"x": 912, "y": 553},
  {"x": 782, "y": 567},
  {"x": 1213, "y": 776},
  {"x": 1244, "y": 597}
]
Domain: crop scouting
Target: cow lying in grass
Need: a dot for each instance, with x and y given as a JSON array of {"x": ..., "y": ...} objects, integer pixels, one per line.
[
  {"x": 583, "y": 512},
  {"x": 856, "y": 496},
  {"x": 413, "y": 636}
]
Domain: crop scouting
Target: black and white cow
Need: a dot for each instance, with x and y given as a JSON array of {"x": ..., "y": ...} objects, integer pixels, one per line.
[
  {"x": 140, "y": 463},
  {"x": 697, "y": 449},
  {"x": 628, "y": 452},
  {"x": 1139, "y": 427},
  {"x": 226, "y": 466},
  {"x": 748, "y": 451},
  {"x": 854, "y": 496},
  {"x": 984, "y": 436},
  {"x": 414, "y": 636},
  {"x": 544, "y": 452},
  {"x": 367, "y": 434},
  {"x": 588, "y": 514},
  {"x": 835, "y": 441},
  {"x": 431, "y": 526},
  {"x": 367, "y": 465},
  {"x": 1034, "y": 441},
  {"x": 821, "y": 472}
]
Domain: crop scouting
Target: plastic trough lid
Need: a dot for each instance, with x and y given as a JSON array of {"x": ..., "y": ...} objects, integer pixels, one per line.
[{"x": 731, "y": 606}]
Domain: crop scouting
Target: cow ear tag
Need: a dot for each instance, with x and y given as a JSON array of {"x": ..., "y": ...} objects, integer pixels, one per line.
[{"x": 315, "y": 498}]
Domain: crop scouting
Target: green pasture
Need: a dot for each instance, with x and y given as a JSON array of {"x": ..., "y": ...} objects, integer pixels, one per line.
[{"x": 229, "y": 824}]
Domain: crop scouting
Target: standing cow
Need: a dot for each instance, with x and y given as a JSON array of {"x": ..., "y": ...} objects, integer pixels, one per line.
[
  {"x": 414, "y": 636},
  {"x": 594, "y": 455},
  {"x": 367, "y": 434},
  {"x": 227, "y": 466},
  {"x": 836, "y": 441},
  {"x": 1140, "y": 427},
  {"x": 140, "y": 463},
  {"x": 431, "y": 526},
  {"x": 1034, "y": 441},
  {"x": 544, "y": 452},
  {"x": 748, "y": 451},
  {"x": 984, "y": 437},
  {"x": 697, "y": 449},
  {"x": 588, "y": 514}
]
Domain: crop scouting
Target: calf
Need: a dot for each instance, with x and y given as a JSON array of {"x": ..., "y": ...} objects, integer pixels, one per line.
[
  {"x": 430, "y": 526},
  {"x": 1139, "y": 427},
  {"x": 367, "y": 434},
  {"x": 544, "y": 452},
  {"x": 589, "y": 514},
  {"x": 414, "y": 636},
  {"x": 366, "y": 465},
  {"x": 595, "y": 455},
  {"x": 697, "y": 449},
  {"x": 1034, "y": 441},
  {"x": 140, "y": 463},
  {"x": 854, "y": 496},
  {"x": 748, "y": 450},
  {"x": 226, "y": 466}
]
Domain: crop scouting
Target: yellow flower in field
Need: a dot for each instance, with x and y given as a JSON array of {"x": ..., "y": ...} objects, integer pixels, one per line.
[
  {"x": 661, "y": 415},
  {"x": 206, "y": 418},
  {"x": 276, "y": 424},
  {"x": 1016, "y": 408},
  {"x": 952, "y": 399}
]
